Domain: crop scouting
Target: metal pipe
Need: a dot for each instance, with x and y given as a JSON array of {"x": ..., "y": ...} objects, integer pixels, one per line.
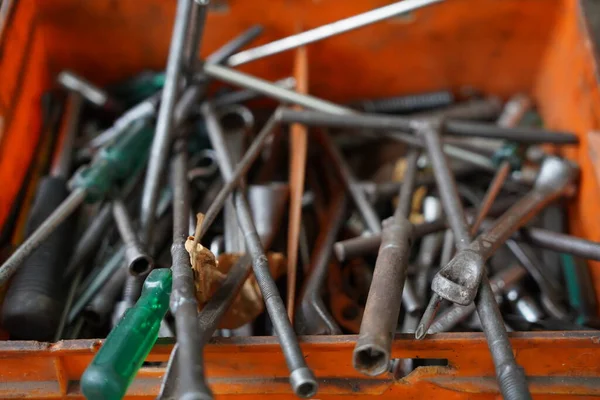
[
  {"x": 371, "y": 355},
  {"x": 473, "y": 109},
  {"x": 328, "y": 30},
  {"x": 183, "y": 302},
  {"x": 194, "y": 36},
  {"x": 226, "y": 51},
  {"x": 301, "y": 377},
  {"x": 267, "y": 88},
  {"x": 559, "y": 242},
  {"x": 136, "y": 257},
  {"x": 86, "y": 89},
  {"x": 451, "y": 127}
]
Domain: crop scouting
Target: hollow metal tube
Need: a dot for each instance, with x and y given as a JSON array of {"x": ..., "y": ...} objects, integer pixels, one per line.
[
  {"x": 137, "y": 258},
  {"x": 372, "y": 352}
]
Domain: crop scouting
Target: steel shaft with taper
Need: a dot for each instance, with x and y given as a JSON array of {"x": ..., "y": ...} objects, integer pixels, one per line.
[{"x": 302, "y": 379}]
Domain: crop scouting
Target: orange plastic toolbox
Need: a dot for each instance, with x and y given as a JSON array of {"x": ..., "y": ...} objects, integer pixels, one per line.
[{"x": 540, "y": 47}]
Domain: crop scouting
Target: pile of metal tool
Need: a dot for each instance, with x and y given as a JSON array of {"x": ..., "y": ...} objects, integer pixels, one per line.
[{"x": 171, "y": 212}]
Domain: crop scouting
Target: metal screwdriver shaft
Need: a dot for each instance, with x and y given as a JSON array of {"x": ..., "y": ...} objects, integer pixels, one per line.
[
  {"x": 181, "y": 111},
  {"x": 240, "y": 171},
  {"x": 301, "y": 377},
  {"x": 184, "y": 305},
  {"x": 328, "y": 30},
  {"x": 160, "y": 149}
]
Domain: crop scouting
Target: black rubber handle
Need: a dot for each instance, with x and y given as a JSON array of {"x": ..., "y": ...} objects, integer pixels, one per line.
[{"x": 35, "y": 298}]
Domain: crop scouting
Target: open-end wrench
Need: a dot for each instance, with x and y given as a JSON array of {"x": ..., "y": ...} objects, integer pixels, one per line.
[
  {"x": 458, "y": 281},
  {"x": 510, "y": 376}
]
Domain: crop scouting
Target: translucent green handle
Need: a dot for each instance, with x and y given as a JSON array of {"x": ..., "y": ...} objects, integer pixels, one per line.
[
  {"x": 126, "y": 347},
  {"x": 116, "y": 162}
]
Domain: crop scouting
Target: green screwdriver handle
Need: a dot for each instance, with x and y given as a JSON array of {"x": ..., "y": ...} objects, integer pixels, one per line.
[
  {"x": 115, "y": 365},
  {"x": 115, "y": 162}
]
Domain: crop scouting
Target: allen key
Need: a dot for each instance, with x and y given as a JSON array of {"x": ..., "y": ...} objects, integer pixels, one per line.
[
  {"x": 312, "y": 317},
  {"x": 302, "y": 378},
  {"x": 510, "y": 376},
  {"x": 372, "y": 352}
]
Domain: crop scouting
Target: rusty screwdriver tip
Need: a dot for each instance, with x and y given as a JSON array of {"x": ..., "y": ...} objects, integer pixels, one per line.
[{"x": 428, "y": 316}]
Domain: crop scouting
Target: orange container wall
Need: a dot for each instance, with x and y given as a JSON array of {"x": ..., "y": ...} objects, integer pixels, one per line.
[{"x": 541, "y": 47}]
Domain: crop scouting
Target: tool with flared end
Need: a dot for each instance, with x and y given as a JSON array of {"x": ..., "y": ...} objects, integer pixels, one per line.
[{"x": 111, "y": 371}]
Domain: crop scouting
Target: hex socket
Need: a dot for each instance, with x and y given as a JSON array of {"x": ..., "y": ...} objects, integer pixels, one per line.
[
  {"x": 371, "y": 355},
  {"x": 137, "y": 259}
]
